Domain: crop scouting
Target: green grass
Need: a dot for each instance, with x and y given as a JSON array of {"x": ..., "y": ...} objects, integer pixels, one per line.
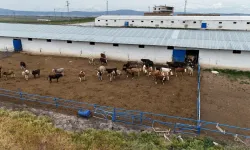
[
  {"x": 232, "y": 73},
  {"x": 57, "y": 21},
  {"x": 23, "y": 130}
]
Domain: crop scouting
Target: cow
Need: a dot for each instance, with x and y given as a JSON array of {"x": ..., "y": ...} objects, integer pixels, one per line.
[
  {"x": 110, "y": 70},
  {"x": 103, "y": 61},
  {"x": 26, "y": 74},
  {"x": 82, "y": 76},
  {"x": 160, "y": 77},
  {"x": 158, "y": 67},
  {"x": 131, "y": 72},
  {"x": 166, "y": 71},
  {"x": 36, "y": 72},
  {"x": 102, "y": 69},
  {"x": 54, "y": 76},
  {"x": 59, "y": 71},
  {"x": 180, "y": 70},
  {"x": 132, "y": 64},
  {"x": 9, "y": 73},
  {"x": 91, "y": 61},
  {"x": 176, "y": 64},
  {"x": 22, "y": 65},
  {"x": 147, "y": 62}
]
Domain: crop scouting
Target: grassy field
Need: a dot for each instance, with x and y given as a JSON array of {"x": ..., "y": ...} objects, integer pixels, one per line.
[
  {"x": 33, "y": 20},
  {"x": 233, "y": 74},
  {"x": 23, "y": 130}
]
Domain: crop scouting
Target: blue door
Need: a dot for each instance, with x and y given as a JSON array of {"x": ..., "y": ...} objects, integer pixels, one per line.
[
  {"x": 203, "y": 25},
  {"x": 17, "y": 43},
  {"x": 179, "y": 55},
  {"x": 126, "y": 24}
]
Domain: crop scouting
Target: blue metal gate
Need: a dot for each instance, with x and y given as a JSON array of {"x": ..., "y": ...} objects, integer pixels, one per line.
[
  {"x": 179, "y": 55},
  {"x": 17, "y": 43},
  {"x": 203, "y": 25}
]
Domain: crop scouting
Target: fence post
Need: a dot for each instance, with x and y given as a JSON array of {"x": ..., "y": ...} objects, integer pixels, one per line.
[
  {"x": 56, "y": 103},
  {"x": 114, "y": 115},
  {"x": 21, "y": 94},
  {"x": 141, "y": 117}
]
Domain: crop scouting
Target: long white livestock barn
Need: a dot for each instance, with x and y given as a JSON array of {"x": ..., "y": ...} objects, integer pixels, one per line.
[
  {"x": 183, "y": 22},
  {"x": 214, "y": 48}
]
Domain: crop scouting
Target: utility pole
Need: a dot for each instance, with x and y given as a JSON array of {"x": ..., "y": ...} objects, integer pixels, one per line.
[
  {"x": 67, "y": 4},
  {"x": 55, "y": 13},
  {"x": 185, "y": 7},
  {"x": 148, "y": 8},
  {"x": 107, "y": 7},
  {"x": 14, "y": 15}
]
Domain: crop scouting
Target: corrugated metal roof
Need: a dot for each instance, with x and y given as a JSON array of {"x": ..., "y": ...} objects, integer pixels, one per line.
[
  {"x": 221, "y": 18},
  {"x": 206, "y": 39}
]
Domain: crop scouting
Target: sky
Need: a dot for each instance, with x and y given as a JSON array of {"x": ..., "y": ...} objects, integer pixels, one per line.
[{"x": 222, "y": 6}]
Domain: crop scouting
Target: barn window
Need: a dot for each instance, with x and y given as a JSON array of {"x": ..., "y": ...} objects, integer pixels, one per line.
[
  {"x": 141, "y": 46},
  {"x": 98, "y": 20},
  {"x": 29, "y": 39},
  {"x": 161, "y": 21},
  {"x": 152, "y": 21},
  {"x": 48, "y": 40},
  {"x": 69, "y": 41},
  {"x": 114, "y": 20},
  {"x": 170, "y": 47},
  {"x": 91, "y": 43},
  {"x": 142, "y": 21},
  {"x": 248, "y": 22},
  {"x": 235, "y": 22},
  {"x": 184, "y": 21},
  {"x": 106, "y": 20},
  {"x": 133, "y": 21},
  {"x": 237, "y": 52},
  {"x": 220, "y": 22},
  {"x": 194, "y": 21},
  {"x": 172, "y": 21},
  {"x": 116, "y": 45}
]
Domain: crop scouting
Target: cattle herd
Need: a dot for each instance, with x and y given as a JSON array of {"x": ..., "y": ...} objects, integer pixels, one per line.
[{"x": 159, "y": 72}]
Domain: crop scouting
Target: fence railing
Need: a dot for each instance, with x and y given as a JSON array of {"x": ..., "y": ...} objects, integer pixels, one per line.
[
  {"x": 198, "y": 96},
  {"x": 132, "y": 117}
]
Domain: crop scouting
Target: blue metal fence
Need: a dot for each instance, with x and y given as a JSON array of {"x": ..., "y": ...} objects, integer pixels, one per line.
[{"x": 133, "y": 117}]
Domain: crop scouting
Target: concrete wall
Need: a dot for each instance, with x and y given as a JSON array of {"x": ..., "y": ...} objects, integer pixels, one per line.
[
  {"x": 225, "y": 59},
  {"x": 227, "y": 25},
  {"x": 84, "y": 49}
]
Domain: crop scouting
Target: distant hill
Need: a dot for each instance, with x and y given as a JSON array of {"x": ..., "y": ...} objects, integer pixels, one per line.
[
  {"x": 72, "y": 13},
  {"x": 7, "y": 12}
]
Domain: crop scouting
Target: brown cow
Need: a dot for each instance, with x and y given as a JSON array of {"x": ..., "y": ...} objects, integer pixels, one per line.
[
  {"x": 82, "y": 75},
  {"x": 180, "y": 70}
]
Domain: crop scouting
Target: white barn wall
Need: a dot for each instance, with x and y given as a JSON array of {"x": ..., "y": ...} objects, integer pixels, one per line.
[
  {"x": 224, "y": 59},
  {"x": 6, "y": 44},
  {"x": 84, "y": 49},
  {"x": 211, "y": 24}
]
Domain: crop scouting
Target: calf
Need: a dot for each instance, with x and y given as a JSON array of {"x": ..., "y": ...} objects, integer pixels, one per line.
[
  {"x": 176, "y": 64},
  {"x": 103, "y": 61},
  {"x": 190, "y": 71},
  {"x": 22, "y": 65},
  {"x": 81, "y": 76},
  {"x": 160, "y": 77},
  {"x": 99, "y": 74},
  {"x": 136, "y": 70},
  {"x": 91, "y": 61},
  {"x": 180, "y": 70},
  {"x": 54, "y": 76},
  {"x": 110, "y": 70},
  {"x": 9, "y": 73},
  {"x": 36, "y": 72}
]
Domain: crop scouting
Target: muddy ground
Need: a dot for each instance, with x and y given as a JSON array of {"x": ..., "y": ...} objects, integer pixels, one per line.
[
  {"x": 177, "y": 97},
  {"x": 224, "y": 100}
]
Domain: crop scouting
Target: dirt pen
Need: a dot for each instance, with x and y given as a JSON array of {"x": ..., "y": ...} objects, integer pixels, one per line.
[{"x": 177, "y": 97}]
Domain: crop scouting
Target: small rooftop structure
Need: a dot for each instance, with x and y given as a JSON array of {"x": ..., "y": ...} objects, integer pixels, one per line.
[{"x": 161, "y": 11}]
